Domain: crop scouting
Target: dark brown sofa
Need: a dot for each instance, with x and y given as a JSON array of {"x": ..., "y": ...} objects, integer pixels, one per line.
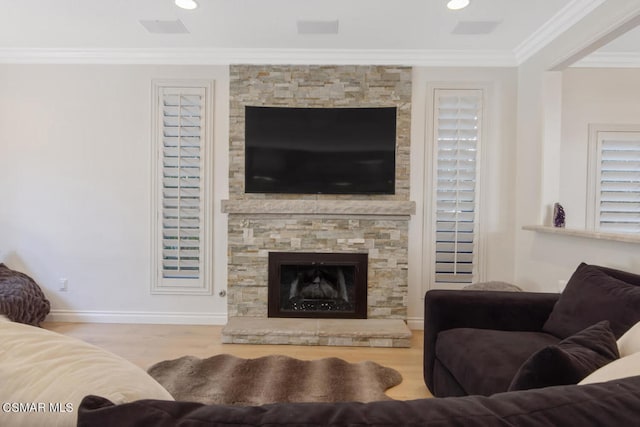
[
  {"x": 475, "y": 342},
  {"x": 614, "y": 403}
]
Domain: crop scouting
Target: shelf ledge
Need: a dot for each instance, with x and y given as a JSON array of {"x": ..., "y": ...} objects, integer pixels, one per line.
[
  {"x": 380, "y": 208},
  {"x": 574, "y": 232}
]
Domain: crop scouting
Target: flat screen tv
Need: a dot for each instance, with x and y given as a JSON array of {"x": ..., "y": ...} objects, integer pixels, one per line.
[{"x": 320, "y": 150}]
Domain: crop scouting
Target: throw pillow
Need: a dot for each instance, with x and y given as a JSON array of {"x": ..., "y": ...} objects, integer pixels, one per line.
[
  {"x": 52, "y": 373},
  {"x": 569, "y": 361},
  {"x": 21, "y": 299},
  {"x": 624, "y": 367},
  {"x": 629, "y": 343},
  {"x": 593, "y": 294}
]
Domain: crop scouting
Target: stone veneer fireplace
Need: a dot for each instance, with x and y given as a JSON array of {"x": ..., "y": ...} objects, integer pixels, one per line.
[{"x": 375, "y": 225}]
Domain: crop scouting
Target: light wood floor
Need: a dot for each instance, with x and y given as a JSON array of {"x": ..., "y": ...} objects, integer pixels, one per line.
[{"x": 145, "y": 345}]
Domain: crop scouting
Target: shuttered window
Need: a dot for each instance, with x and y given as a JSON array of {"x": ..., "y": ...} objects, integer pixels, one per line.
[
  {"x": 182, "y": 183},
  {"x": 457, "y": 126},
  {"x": 181, "y": 231},
  {"x": 618, "y": 184}
]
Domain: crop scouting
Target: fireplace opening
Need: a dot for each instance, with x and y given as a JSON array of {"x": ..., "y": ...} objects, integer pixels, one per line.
[{"x": 320, "y": 285}]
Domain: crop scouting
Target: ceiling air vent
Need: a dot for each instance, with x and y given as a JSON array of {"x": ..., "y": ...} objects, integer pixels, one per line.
[
  {"x": 475, "y": 27},
  {"x": 318, "y": 27},
  {"x": 164, "y": 27}
]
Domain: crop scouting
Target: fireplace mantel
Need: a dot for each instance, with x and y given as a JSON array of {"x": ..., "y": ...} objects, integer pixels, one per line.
[{"x": 372, "y": 208}]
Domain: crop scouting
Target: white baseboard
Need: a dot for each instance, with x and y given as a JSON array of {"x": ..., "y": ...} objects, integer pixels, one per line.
[
  {"x": 415, "y": 323},
  {"x": 161, "y": 318}
]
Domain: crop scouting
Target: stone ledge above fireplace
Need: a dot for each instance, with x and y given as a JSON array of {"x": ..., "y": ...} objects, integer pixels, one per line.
[{"x": 320, "y": 207}]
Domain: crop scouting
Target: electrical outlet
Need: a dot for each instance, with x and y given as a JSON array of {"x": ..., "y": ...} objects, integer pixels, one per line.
[{"x": 63, "y": 282}]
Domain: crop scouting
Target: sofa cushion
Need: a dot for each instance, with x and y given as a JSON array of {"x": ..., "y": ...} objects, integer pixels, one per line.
[
  {"x": 569, "y": 361},
  {"x": 593, "y": 294},
  {"x": 43, "y": 367},
  {"x": 629, "y": 343},
  {"x": 443, "y": 382},
  {"x": 483, "y": 361},
  {"x": 624, "y": 367}
]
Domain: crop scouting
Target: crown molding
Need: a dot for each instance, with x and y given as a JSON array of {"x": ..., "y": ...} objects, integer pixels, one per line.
[
  {"x": 226, "y": 56},
  {"x": 566, "y": 17},
  {"x": 609, "y": 60}
]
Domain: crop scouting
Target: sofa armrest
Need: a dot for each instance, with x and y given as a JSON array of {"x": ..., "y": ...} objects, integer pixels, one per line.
[{"x": 507, "y": 311}]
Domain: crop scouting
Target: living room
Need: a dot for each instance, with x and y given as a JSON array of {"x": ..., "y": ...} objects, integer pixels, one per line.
[
  {"x": 49, "y": 223},
  {"x": 78, "y": 170}
]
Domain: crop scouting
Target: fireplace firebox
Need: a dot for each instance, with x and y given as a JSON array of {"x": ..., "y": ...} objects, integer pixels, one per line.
[{"x": 317, "y": 285}]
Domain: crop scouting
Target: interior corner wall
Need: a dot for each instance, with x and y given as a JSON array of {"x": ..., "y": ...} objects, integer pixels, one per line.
[
  {"x": 75, "y": 167},
  {"x": 543, "y": 261}
]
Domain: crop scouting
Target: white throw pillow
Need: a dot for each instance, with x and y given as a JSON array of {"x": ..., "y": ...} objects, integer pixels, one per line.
[
  {"x": 629, "y": 343},
  {"x": 627, "y": 366},
  {"x": 44, "y": 376}
]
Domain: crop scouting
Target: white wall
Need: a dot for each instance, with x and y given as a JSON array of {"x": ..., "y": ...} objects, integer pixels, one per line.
[
  {"x": 75, "y": 169},
  {"x": 542, "y": 260},
  {"x": 498, "y": 190},
  {"x": 600, "y": 96}
]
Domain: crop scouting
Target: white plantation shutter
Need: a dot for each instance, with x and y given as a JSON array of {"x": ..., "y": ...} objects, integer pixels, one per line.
[
  {"x": 181, "y": 190},
  {"x": 457, "y": 136},
  {"x": 618, "y": 186},
  {"x": 182, "y": 183}
]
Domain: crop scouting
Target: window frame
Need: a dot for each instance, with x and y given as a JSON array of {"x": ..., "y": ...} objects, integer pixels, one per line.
[
  {"x": 430, "y": 180},
  {"x": 596, "y": 131},
  {"x": 203, "y": 284}
]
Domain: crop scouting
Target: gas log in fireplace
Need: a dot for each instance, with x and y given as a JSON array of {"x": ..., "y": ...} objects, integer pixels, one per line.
[{"x": 317, "y": 285}]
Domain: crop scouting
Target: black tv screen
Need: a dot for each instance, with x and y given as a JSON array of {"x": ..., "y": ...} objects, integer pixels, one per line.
[{"x": 320, "y": 150}]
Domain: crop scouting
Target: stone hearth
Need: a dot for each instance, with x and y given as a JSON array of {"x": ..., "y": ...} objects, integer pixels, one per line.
[{"x": 338, "y": 332}]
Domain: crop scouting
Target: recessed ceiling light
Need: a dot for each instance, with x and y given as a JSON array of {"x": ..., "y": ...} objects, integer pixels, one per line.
[
  {"x": 453, "y": 4},
  {"x": 187, "y": 4}
]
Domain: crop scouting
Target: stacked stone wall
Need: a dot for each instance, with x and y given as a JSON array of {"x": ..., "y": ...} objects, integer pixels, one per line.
[
  {"x": 319, "y": 86},
  {"x": 383, "y": 236}
]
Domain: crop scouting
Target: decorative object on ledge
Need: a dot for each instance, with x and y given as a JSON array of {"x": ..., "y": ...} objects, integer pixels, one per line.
[{"x": 558, "y": 215}]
